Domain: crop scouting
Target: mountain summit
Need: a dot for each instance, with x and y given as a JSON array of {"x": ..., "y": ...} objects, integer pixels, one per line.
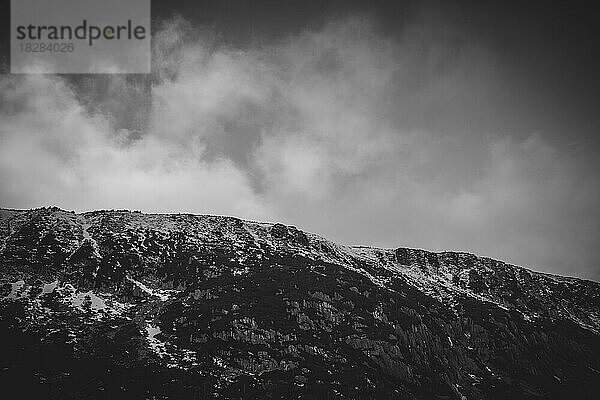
[{"x": 119, "y": 304}]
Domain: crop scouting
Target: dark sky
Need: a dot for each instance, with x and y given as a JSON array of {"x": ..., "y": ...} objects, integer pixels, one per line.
[
  {"x": 549, "y": 48},
  {"x": 464, "y": 125}
]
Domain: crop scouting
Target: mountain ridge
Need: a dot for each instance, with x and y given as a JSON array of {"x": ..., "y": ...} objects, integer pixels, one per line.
[
  {"x": 250, "y": 308},
  {"x": 358, "y": 246}
]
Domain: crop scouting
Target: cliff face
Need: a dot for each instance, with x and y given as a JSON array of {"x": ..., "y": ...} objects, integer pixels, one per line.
[{"x": 117, "y": 304}]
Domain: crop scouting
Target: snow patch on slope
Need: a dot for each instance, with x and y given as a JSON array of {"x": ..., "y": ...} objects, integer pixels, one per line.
[{"x": 162, "y": 294}]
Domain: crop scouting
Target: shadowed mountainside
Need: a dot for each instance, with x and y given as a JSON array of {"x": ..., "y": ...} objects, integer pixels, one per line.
[{"x": 119, "y": 304}]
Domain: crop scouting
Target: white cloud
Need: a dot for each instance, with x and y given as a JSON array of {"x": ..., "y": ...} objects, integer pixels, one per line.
[{"x": 54, "y": 152}]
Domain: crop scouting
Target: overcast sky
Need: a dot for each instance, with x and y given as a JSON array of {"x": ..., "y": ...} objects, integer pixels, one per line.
[{"x": 468, "y": 127}]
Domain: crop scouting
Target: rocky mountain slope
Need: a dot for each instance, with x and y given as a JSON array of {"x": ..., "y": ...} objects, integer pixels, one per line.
[{"x": 119, "y": 304}]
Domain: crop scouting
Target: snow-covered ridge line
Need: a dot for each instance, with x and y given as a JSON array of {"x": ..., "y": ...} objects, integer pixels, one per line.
[
  {"x": 430, "y": 272},
  {"x": 168, "y": 222},
  {"x": 175, "y": 222}
]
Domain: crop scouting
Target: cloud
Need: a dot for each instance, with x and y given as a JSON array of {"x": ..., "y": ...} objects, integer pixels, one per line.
[
  {"x": 54, "y": 152},
  {"x": 327, "y": 129}
]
